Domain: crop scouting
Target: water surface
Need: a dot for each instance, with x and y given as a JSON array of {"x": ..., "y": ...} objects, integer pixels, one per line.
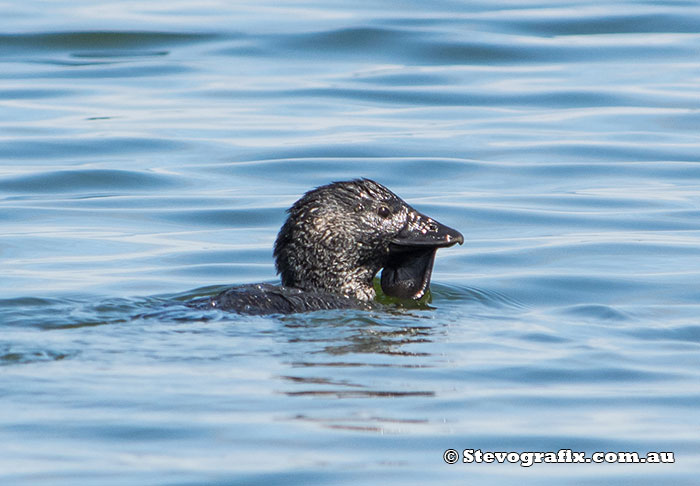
[{"x": 147, "y": 155}]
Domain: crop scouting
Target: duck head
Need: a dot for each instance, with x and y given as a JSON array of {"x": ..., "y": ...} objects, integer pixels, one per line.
[{"x": 338, "y": 236}]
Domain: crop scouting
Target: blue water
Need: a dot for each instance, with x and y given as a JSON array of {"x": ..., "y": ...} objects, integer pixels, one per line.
[{"x": 148, "y": 151}]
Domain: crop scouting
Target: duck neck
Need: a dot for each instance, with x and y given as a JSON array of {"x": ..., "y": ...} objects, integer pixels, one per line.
[
  {"x": 337, "y": 268},
  {"x": 338, "y": 275}
]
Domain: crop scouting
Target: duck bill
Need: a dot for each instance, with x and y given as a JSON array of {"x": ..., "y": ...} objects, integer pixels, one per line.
[{"x": 408, "y": 269}]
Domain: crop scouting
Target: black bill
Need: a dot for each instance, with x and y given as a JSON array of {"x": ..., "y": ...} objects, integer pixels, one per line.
[{"x": 406, "y": 274}]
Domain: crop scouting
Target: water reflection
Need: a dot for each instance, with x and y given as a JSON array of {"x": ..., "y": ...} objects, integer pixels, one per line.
[
  {"x": 372, "y": 342},
  {"x": 366, "y": 424}
]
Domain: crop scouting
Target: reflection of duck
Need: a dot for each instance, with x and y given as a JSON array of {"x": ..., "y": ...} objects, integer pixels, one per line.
[{"x": 335, "y": 240}]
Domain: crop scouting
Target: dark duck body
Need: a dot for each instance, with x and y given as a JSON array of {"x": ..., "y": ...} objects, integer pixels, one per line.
[{"x": 335, "y": 240}]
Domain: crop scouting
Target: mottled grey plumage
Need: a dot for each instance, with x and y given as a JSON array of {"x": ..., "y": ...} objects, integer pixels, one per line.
[
  {"x": 259, "y": 299},
  {"x": 334, "y": 241}
]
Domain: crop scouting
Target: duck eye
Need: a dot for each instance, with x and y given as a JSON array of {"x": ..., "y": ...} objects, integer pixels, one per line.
[
  {"x": 432, "y": 227},
  {"x": 384, "y": 212},
  {"x": 359, "y": 208}
]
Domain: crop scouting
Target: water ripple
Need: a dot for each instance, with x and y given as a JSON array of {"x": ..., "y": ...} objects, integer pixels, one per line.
[
  {"x": 29, "y": 148},
  {"x": 79, "y": 181},
  {"x": 19, "y": 44}
]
